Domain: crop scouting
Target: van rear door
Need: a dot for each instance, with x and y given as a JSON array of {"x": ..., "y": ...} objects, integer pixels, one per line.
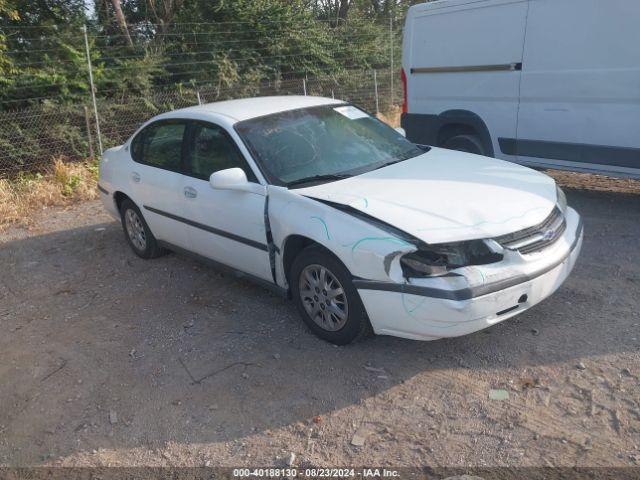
[
  {"x": 580, "y": 87},
  {"x": 463, "y": 57}
]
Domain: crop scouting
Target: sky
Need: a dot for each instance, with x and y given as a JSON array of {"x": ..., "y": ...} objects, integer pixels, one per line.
[{"x": 89, "y": 7}]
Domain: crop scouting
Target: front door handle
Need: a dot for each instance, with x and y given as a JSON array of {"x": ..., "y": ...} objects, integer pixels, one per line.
[
  {"x": 190, "y": 192},
  {"x": 135, "y": 176}
]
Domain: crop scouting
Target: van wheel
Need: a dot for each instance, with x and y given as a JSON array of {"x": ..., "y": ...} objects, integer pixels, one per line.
[
  {"x": 465, "y": 143},
  {"x": 326, "y": 297}
]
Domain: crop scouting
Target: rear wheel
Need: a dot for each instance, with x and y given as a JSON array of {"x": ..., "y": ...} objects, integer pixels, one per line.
[
  {"x": 137, "y": 232},
  {"x": 326, "y": 298},
  {"x": 465, "y": 143}
]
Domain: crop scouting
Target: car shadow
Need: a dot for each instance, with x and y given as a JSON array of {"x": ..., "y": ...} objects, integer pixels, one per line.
[{"x": 101, "y": 349}]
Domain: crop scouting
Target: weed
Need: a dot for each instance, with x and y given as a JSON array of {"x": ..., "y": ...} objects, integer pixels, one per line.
[{"x": 27, "y": 193}]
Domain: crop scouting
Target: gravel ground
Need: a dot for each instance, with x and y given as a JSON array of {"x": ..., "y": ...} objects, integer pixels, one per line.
[{"x": 107, "y": 359}]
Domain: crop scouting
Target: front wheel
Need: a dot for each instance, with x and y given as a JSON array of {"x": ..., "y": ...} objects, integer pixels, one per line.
[{"x": 326, "y": 298}]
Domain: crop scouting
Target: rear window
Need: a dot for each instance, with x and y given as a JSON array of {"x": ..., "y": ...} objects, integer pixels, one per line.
[{"x": 160, "y": 145}]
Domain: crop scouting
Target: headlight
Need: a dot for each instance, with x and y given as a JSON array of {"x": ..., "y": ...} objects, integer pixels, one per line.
[
  {"x": 561, "y": 199},
  {"x": 435, "y": 260}
]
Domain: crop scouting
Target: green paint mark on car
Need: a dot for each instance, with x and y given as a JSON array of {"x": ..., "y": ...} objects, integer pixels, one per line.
[{"x": 324, "y": 224}]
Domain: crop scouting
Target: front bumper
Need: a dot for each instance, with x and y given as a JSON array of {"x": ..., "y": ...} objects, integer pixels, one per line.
[{"x": 480, "y": 296}]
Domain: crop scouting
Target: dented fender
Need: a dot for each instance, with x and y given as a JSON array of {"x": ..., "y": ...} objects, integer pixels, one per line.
[{"x": 367, "y": 250}]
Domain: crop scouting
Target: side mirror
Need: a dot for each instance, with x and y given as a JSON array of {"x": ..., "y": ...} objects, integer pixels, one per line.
[
  {"x": 401, "y": 131},
  {"x": 229, "y": 179}
]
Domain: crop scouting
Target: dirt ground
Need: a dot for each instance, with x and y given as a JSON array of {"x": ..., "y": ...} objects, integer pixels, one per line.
[{"x": 107, "y": 359}]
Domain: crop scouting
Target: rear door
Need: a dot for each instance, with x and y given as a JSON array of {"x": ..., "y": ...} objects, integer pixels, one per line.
[
  {"x": 580, "y": 91},
  {"x": 156, "y": 177},
  {"x": 225, "y": 225}
]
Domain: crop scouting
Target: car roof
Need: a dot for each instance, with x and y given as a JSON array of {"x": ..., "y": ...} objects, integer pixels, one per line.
[{"x": 247, "y": 108}]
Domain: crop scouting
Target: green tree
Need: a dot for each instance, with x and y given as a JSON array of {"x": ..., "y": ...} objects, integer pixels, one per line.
[{"x": 7, "y": 14}]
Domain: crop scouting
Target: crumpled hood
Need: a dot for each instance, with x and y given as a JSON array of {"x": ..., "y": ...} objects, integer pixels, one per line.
[{"x": 447, "y": 196}]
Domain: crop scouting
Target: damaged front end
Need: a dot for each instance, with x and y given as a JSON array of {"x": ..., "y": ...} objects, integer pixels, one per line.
[
  {"x": 439, "y": 259},
  {"x": 417, "y": 259}
]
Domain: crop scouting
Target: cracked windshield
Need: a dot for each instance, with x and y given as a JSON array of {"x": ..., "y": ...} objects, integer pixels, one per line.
[{"x": 301, "y": 145}]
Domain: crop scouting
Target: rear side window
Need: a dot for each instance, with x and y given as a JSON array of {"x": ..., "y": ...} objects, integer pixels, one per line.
[
  {"x": 160, "y": 145},
  {"x": 210, "y": 149}
]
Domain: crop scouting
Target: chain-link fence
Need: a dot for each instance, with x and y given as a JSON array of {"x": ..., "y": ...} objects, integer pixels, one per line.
[
  {"x": 31, "y": 138},
  {"x": 118, "y": 120}
]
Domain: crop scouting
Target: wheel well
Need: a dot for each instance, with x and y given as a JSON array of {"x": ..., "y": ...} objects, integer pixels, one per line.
[
  {"x": 119, "y": 197},
  {"x": 452, "y": 129},
  {"x": 292, "y": 247},
  {"x": 463, "y": 122},
  {"x": 294, "y": 244}
]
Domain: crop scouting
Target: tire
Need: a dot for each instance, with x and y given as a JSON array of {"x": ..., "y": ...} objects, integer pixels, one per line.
[
  {"x": 137, "y": 232},
  {"x": 324, "y": 321},
  {"x": 465, "y": 143}
]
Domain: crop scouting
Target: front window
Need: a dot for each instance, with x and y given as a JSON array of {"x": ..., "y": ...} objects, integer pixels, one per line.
[
  {"x": 314, "y": 144},
  {"x": 210, "y": 149}
]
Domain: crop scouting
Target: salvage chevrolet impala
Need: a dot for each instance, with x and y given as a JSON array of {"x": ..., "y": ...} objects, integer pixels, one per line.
[{"x": 326, "y": 204}]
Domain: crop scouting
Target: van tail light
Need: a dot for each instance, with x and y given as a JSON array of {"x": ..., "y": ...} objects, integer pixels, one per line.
[{"x": 404, "y": 90}]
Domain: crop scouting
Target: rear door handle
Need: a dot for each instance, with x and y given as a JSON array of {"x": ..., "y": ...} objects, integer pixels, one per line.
[
  {"x": 135, "y": 177},
  {"x": 190, "y": 192}
]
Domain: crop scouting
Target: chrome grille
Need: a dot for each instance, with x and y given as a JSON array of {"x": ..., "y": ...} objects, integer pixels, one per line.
[{"x": 538, "y": 237}]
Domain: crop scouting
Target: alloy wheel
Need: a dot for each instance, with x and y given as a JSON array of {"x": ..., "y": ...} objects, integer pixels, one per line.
[
  {"x": 135, "y": 230},
  {"x": 323, "y": 297}
]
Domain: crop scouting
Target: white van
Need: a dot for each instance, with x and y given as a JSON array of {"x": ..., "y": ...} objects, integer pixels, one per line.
[{"x": 545, "y": 83}]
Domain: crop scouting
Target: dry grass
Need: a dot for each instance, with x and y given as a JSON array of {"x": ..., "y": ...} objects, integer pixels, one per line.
[
  {"x": 591, "y": 181},
  {"x": 392, "y": 116},
  {"x": 67, "y": 183}
]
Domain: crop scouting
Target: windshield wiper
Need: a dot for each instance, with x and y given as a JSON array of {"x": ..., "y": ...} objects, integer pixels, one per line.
[
  {"x": 390, "y": 163},
  {"x": 318, "y": 178},
  {"x": 401, "y": 158}
]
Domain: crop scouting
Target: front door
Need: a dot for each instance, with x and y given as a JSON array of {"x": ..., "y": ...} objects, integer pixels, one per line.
[{"x": 226, "y": 226}]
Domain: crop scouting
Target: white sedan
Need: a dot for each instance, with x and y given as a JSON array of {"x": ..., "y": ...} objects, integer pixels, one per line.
[{"x": 326, "y": 204}]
